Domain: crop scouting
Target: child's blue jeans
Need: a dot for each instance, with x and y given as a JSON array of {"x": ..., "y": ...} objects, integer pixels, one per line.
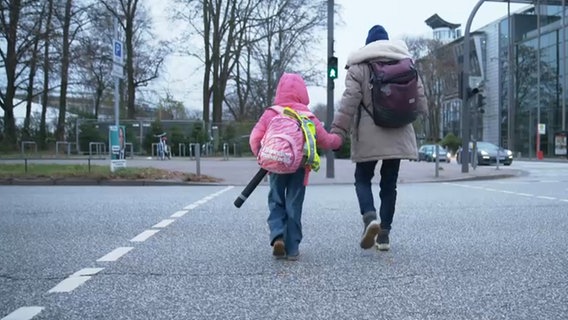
[{"x": 285, "y": 201}]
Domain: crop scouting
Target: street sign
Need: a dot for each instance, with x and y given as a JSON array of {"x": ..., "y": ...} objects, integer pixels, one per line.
[
  {"x": 541, "y": 128},
  {"x": 117, "y": 59},
  {"x": 117, "y": 55},
  {"x": 117, "y": 70}
]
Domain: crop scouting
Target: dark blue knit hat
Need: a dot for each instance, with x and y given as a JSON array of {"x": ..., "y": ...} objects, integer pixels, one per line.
[{"x": 376, "y": 33}]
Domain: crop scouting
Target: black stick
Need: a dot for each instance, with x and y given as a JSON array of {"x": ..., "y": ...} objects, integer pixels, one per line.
[{"x": 253, "y": 183}]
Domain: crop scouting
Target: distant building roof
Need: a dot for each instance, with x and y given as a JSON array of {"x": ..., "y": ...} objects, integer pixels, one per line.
[{"x": 436, "y": 22}]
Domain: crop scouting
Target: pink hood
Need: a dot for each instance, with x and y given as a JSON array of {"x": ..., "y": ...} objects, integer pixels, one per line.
[{"x": 292, "y": 91}]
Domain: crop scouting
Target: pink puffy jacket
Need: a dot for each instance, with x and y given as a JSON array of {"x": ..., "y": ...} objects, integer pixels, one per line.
[{"x": 292, "y": 92}]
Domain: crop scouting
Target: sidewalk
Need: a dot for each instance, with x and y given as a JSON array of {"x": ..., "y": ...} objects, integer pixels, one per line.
[{"x": 238, "y": 171}]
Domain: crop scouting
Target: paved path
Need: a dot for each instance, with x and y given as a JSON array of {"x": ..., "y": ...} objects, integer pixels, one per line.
[{"x": 238, "y": 171}]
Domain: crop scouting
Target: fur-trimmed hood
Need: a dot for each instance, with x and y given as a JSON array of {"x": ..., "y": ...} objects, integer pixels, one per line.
[{"x": 388, "y": 49}]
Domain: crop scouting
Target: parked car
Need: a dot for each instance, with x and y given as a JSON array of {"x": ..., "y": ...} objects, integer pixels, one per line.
[
  {"x": 487, "y": 154},
  {"x": 427, "y": 153}
]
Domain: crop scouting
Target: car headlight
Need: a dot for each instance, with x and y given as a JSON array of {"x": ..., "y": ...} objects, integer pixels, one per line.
[
  {"x": 484, "y": 153},
  {"x": 509, "y": 153}
]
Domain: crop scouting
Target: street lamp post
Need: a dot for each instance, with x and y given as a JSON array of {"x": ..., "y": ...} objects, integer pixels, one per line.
[{"x": 465, "y": 91}]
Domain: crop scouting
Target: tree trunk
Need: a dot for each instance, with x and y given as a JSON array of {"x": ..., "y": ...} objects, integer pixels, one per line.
[
  {"x": 45, "y": 93},
  {"x": 98, "y": 97},
  {"x": 207, "y": 73},
  {"x": 60, "y": 132},
  {"x": 11, "y": 63},
  {"x": 129, "y": 35},
  {"x": 30, "y": 93}
]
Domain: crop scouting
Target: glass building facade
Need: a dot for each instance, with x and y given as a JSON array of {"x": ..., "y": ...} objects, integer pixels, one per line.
[
  {"x": 521, "y": 95},
  {"x": 538, "y": 80}
]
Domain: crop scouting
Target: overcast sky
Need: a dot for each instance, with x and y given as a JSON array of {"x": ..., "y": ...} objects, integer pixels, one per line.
[{"x": 400, "y": 18}]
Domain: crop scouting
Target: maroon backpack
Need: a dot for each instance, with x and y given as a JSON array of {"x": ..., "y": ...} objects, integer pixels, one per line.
[{"x": 394, "y": 87}]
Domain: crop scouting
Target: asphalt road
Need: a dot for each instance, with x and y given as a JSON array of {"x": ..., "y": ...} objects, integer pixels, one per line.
[{"x": 494, "y": 249}]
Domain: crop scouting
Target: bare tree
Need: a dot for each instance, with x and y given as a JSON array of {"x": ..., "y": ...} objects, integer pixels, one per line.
[
  {"x": 46, "y": 35},
  {"x": 281, "y": 38},
  {"x": 19, "y": 39},
  {"x": 437, "y": 68},
  {"x": 33, "y": 66},
  {"x": 72, "y": 21},
  {"x": 94, "y": 56},
  {"x": 222, "y": 26}
]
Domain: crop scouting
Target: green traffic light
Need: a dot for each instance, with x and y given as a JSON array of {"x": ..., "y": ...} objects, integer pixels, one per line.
[{"x": 332, "y": 68}]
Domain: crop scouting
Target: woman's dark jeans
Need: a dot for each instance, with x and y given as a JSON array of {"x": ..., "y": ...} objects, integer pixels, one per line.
[{"x": 364, "y": 173}]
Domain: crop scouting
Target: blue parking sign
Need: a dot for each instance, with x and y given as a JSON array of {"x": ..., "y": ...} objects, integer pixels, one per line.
[{"x": 118, "y": 49}]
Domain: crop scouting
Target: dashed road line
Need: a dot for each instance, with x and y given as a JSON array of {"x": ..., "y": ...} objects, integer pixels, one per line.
[
  {"x": 546, "y": 198},
  {"x": 164, "y": 223},
  {"x": 144, "y": 235},
  {"x": 191, "y": 206},
  {"x": 179, "y": 214},
  {"x": 506, "y": 191},
  {"x": 75, "y": 280},
  {"x": 115, "y": 254},
  {"x": 23, "y": 313},
  {"x": 524, "y": 194}
]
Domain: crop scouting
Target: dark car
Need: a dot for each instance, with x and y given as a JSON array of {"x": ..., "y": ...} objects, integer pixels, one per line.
[
  {"x": 427, "y": 153},
  {"x": 487, "y": 154}
]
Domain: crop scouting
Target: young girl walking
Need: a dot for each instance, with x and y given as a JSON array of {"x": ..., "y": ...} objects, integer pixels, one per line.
[{"x": 286, "y": 196}]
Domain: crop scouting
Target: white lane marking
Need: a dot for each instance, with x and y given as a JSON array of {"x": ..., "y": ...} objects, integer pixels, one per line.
[
  {"x": 75, "y": 280},
  {"x": 23, "y": 313},
  {"x": 207, "y": 198},
  {"x": 225, "y": 190},
  {"x": 218, "y": 193},
  {"x": 164, "y": 223},
  {"x": 144, "y": 235},
  {"x": 115, "y": 254},
  {"x": 564, "y": 200},
  {"x": 546, "y": 198},
  {"x": 179, "y": 214},
  {"x": 507, "y": 192},
  {"x": 524, "y": 194}
]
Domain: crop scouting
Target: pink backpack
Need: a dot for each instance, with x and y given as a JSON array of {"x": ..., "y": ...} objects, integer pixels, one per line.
[{"x": 282, "y": 147}]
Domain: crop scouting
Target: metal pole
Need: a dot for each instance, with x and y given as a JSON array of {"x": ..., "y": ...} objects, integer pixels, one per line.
[
  {"x": 437, "y": 161},
  {"x": 197, "y": 150},
  {"x": 538, "y": 77},
  {"x": 77, "y": 136},
  {"x": 329, "y": 157},
  {"x": 465, "y": 85},
  {"x": 564, "y": 65},
  {"x": 116, "y": 80},
  {"x": 511, "y": 83}
]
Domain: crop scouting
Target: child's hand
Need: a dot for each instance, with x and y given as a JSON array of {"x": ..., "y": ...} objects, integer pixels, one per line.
[{"x": 340, "y": 139}]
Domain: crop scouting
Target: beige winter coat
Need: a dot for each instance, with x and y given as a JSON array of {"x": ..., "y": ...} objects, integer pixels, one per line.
[{"x": 369, "y": 141}]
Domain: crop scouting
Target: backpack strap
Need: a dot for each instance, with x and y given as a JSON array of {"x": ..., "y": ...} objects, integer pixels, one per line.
[{"x": 305, "y": 124}]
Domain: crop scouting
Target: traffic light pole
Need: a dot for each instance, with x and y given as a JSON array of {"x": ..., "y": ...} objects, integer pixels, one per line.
[
  {"x": 465, "y": 116},
  {"x": 330, "y": 165}
]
